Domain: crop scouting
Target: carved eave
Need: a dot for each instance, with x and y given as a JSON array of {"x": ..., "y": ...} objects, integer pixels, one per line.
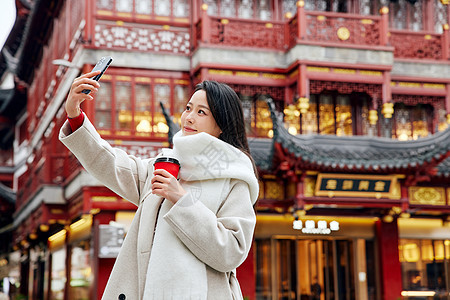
[{"x": 360, "y": 154}]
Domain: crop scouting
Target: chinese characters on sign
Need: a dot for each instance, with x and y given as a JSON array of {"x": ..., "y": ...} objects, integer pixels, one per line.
[
  {"x": 354, "y": 185},
  {"x": 310, "y": 226}
]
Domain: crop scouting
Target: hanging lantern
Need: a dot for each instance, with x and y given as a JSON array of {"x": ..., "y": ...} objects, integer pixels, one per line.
[
  {"x": 373, "y": 117},
  {"x": 303, "y": 104},
  {"x": 388, "y": 110}
]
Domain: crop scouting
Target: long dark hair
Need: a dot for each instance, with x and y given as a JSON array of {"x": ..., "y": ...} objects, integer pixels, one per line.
[{"x": 226, "y": 108}]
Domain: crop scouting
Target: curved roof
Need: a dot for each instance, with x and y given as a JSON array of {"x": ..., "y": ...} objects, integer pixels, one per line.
[{"x": 363, "y": 153}]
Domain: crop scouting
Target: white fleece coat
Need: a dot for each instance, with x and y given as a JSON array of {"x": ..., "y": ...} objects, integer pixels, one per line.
[{"x": 189, "y": 250}]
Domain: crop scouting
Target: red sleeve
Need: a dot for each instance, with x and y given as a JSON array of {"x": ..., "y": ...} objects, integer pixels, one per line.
[{"x": 76, "y": 122}]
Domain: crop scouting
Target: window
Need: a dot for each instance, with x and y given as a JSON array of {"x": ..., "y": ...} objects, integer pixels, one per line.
[
  {"x": 145, "y": 9},
  {"x": 412, "y": 122},
  {"x": 406, "y": 15},
  {"x": 425, "y": 266},
  {"x": 130, "y": 105},
  {"x": 332, "y": 114},
  {"x": 244, "y": 9}
]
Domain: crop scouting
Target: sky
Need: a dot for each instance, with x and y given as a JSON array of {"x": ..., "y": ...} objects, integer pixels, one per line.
[{"x": 7, "y": 18}]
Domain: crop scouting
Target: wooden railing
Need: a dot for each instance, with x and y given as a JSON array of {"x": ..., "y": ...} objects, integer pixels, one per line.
[{"x": 420, "y": 45}]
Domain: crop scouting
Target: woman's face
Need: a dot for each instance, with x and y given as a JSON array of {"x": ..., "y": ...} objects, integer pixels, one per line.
[{"x": 197, "y": 116}]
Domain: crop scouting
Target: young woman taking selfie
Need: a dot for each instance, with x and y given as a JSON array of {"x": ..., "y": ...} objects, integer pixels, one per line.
[{"x": 190, "y": 233}]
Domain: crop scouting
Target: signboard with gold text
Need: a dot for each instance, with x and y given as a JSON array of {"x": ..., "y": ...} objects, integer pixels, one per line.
[{"x": 349, "y": 185}]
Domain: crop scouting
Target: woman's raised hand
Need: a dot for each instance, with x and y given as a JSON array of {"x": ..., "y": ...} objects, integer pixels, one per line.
[{"x": 76, "y": 97}]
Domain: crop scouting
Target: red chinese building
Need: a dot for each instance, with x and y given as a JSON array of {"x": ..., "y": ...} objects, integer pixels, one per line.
[{"x": 347, "y": 108}]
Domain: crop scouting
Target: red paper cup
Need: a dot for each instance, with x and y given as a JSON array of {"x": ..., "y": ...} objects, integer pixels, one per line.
[{"x": 170, "y": 164}]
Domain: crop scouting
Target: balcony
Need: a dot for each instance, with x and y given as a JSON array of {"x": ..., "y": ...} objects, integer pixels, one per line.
[{"x": 327, "y": 29}]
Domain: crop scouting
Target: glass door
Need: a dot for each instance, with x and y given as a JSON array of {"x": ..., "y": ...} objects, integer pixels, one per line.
[{"x": 315, "y": 269}]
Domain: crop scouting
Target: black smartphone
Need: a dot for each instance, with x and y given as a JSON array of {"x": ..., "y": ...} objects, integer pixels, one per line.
[{"x": 101, "y": 65}]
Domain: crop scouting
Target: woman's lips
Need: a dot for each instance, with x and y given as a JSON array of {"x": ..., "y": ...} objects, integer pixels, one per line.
[{"x": 187, "y": 129}]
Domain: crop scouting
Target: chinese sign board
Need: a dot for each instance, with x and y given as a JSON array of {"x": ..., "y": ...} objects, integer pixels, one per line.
[
  {"x": 355, "y": 185},
  {"x": 110, "y": 240}
]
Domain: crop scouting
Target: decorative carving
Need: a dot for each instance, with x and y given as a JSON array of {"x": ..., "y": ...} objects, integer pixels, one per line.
[
  {"x": 374, "y": 90},
  {"x": 142, "y": 38},
  {"x": 349, "y": 30},
  {"x": 242, "y": 33},
  {"x": 416, "y": 46},
  {"x": 343, "y": 33},
  {"x": 427, "y": 195}
]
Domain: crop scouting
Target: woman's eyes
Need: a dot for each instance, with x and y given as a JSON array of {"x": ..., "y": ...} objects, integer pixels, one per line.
[{"x": 200, "y": 111}]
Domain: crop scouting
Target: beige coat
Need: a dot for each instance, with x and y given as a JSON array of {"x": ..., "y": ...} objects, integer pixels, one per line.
[{"x": 218, "y": 234}]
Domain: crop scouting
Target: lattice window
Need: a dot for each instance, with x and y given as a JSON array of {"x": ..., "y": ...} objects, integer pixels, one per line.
[
  {"x": 440, "y": 15},
  {"x": 129, "y": 106},
  {"x": 404, "y": 15},
  {"x": 412, "y": 122},
  {"x": 438, "y": 121},
  {"x": 374, "y": 90},
  {"x": 244, "y": 9}
]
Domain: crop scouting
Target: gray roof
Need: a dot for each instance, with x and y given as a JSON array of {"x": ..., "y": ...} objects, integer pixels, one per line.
[{"x": 363, "y": 152}]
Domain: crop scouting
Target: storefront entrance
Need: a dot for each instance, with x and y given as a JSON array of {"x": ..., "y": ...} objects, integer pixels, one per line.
[{"x": 291, "y": 267}]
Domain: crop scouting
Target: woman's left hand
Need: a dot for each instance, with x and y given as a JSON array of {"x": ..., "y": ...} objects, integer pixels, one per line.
[{"x": 167, "y": 186}]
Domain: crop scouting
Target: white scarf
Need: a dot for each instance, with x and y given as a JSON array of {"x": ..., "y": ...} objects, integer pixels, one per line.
[{"x": 206, "y": 163}]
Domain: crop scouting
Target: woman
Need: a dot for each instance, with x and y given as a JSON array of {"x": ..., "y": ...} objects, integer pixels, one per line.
[{"x": 188, "y": 235}]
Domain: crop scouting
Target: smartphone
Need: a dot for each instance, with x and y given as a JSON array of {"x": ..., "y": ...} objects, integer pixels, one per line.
[{"x": 101, "y": 65}]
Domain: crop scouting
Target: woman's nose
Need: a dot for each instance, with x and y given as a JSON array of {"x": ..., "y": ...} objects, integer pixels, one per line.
[{"x": 190, "y": 118}]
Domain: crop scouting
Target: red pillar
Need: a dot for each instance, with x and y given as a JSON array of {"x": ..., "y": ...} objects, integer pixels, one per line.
[
  {"x": 247, "y": 277},
  {"x": 390, "y": 268}
]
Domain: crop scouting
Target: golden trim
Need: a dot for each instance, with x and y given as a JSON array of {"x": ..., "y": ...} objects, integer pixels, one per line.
[
  {"x": 427, "y": 37},
  {"x": 247, "y": 74},
  {"x": 143, "y": 80},
  {"x": 370, "y": 73},
  {"x": 273, "y": 76},
  {"x": 105, "y": 132},
  {"x": 408, "y": 84},
  {"x": 434, "y": 86},
  {"x": 181, "y": 81},
  {"x": 343, "y": 33},
  {"x": 106, "y": 77},
  {"x": 161, "y": 80},
  {"x": 321, "y": 18},
  {"x": 124, "y": 15},
  {"x": 318, "y": 69},
  {"x": 123, "y": 78},
  {"x": 295, "y": 73},
  {"x": 103, "y": 199},
  {"x": 123, "y": 133},
  {"x": 344, "y": 71},
  {"x": 220, "y": 72},
  {"x": 366, "y": 21},
  {"x": 104, "y": 13},
  {"x": 162, "y": 18},
  {"x": 426, "y": 195},
  {"x": 224, "y": 21}
]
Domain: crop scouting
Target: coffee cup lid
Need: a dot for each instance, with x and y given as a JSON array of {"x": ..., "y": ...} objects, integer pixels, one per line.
[{"x": 167, "y": 159}]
